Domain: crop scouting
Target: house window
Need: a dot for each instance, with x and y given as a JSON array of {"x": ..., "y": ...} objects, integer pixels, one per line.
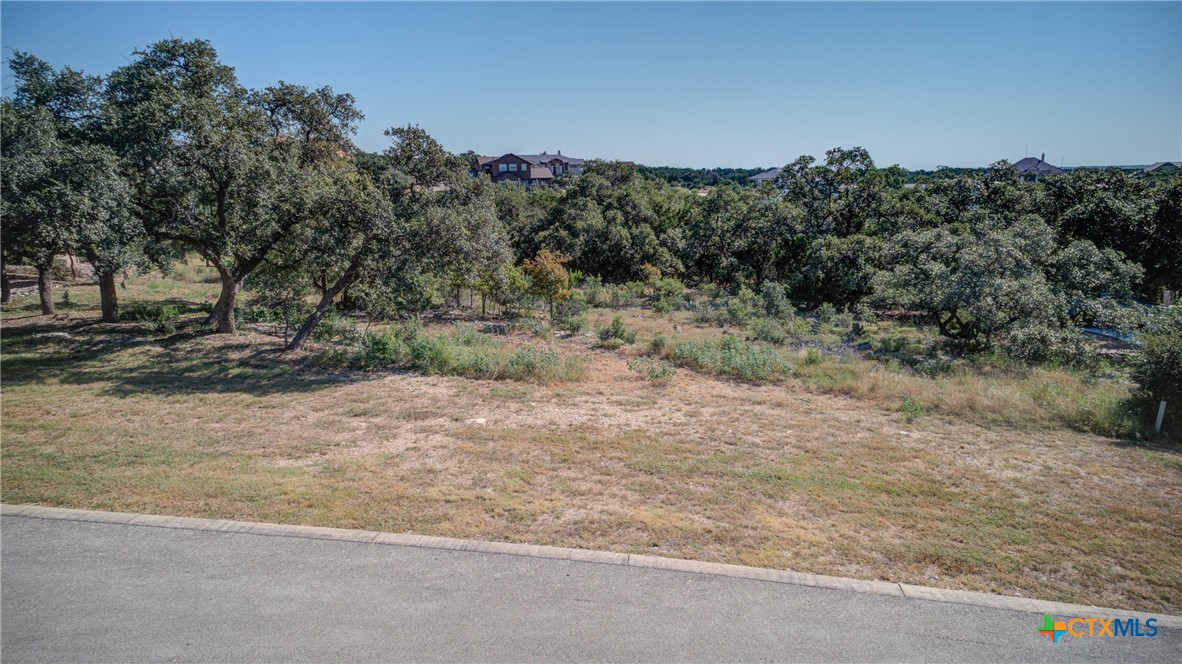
[
  {"x": 503, "y": 168},
  {"x": 512, "y": 167}
]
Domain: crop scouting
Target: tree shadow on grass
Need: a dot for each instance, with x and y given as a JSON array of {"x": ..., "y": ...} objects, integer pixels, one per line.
[{"x": 182, "y": 363}]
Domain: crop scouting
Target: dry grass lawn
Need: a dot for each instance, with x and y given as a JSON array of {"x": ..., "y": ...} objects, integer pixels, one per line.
[{"x": 786, "y": 476}]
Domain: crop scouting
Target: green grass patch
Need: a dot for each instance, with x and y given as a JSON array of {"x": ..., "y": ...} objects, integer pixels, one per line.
[
  {"x": 462, "y": 352},
  {"x": 732, "y": 358}
]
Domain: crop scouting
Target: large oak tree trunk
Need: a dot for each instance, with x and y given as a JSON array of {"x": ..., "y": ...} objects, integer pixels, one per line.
[
  {"x": 109, "y": 297},
  {"x": 5, "y": 286},
  {"x": 45, "y": 289},
  {"x": 223, "y": 311}
]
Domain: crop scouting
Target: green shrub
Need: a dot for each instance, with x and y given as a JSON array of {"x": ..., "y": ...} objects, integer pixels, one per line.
[
  {"x": 812, "y": 356},
  {"x": 658, "y": 345},
  {"x": 334, "y": 327},
  {"x": 735, "y": 310},
  {"x": 770, "y": 331},
  {"x": 666, "y": 305},
  {"x": 535, "y": 327},
  {"x": 157, "y": 318},
  {"x": 464, "y": 352},
  {"x": 466, "y": 335},
  {"x": 933, "y": 367},
  {"x": 652, "y": 370},
  {"x": 375, "y": 351},
  {"x": 617, "y": 331},
  {"x": 775, "y": 300},
  {"x": 1157, "y": 369},
  {"x": 1041, "y": 344},
  {"x": 733, "y": 358},
  {"x": 910, "y": 408},
  {"x": 1157, "y": 366},
  {"x": 864, "y": 314},
  {"x": 742, "y": 308},
  {"x": 572, "y": 324},
  {"x": 610, "y": 344},
  {"x": 666, "y": 295},
  {"x": 827, "y": 313},
  {"x": 542, "y": 365},
  {"x": 614, "y": 296}
]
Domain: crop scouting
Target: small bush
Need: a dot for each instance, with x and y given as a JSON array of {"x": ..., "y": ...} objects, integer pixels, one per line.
[
  {"x": 910, "y": 408},
  {"x": 864, "y": 314},
  {"x": 737, "y": 310},
  {"x": 811, "y": 356},
  {"x": 770, "y": 331},
  {"x": 1157, "y": 369},
  {"x": 827, "y": 313},
  {"x": 157, "y": 318},
  {"x": 610, "y": 344},
  {"x": 775, "y": 300},
  {"x": 652, "y": 370},
  {"x": 617, "y": 331},
  {"x": 375, "y": 351},
  {"x": 1041, "y": 344},
  {"x": 572, "y": 324},
  {"x": 658, "y": 345},
  {"x": 665, "y": 306},
  {"x": 666, "y": 295},
  {"x": 933, "y": 367},
  {"x": 334, "y": 327}
]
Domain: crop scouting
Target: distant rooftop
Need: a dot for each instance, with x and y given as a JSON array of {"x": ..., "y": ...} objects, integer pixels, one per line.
[
  {"x": 547, "y": 157},
  {"x": 1038, "y": 166}
]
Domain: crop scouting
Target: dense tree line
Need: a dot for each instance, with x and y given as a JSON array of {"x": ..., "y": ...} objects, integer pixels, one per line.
[
  {"x": 979, "y": 251},
  {"x": 170, "y": 154},
  {"x": 697, "y": 178}
]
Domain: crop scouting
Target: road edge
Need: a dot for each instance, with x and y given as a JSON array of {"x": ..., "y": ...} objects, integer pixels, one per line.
[{"x": 902, "y": 590}]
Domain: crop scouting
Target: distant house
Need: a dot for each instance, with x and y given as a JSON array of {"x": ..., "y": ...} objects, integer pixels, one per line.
[
  {"x": 529, "y": 169},
  {"x": 766, "y": 176},
  {"x": 1164, "y": 167},
  {"x": 1033, "y": 169}
]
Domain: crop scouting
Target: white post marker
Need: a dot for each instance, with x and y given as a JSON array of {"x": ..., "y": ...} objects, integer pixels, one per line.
[{"x": 1161, "y": 412}]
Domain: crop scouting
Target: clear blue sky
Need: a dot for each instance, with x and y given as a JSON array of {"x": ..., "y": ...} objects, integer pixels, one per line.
[{"x": 693, "y": 84}]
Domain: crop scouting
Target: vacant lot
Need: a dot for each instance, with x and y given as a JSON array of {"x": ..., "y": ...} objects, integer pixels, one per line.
[{"x": 972, "y": 491}]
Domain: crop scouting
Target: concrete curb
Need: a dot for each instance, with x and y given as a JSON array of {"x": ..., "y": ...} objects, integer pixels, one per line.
[{"x": 901, "y": 590}]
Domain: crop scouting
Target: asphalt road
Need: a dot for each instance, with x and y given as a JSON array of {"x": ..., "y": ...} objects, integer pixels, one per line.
[{"x": 75, "y": 591}]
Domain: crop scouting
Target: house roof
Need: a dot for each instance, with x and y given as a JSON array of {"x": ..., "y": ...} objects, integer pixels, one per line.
[
  {"x": 534, "y": 173},
  {"x": 547, "y": 158},
  {"x": 1036, "y": 165},
  {"x": 766, "y": 175},
  {"x": 482, "y": 160},
  {"x": 1165, "y": 165}
]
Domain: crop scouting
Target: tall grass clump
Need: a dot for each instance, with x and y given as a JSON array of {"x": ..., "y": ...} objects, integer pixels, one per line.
[
  {"x": 733, "y": 358},
  {"x": 654, "y": 371},
  {"x": 542, "y": 365},
  {"x": 464, "y": 352}
]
